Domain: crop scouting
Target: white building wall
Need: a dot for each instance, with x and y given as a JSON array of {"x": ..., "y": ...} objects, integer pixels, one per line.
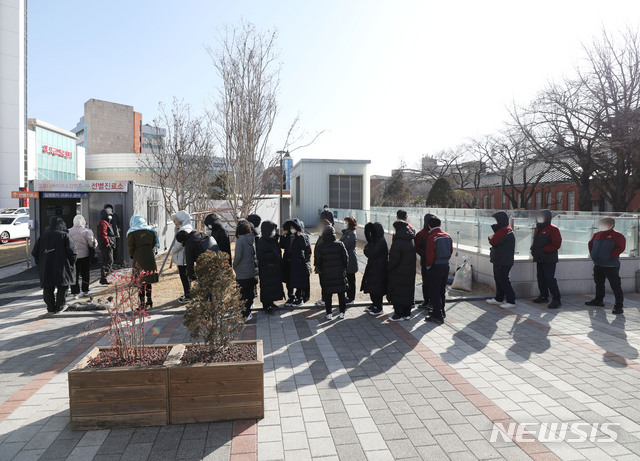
[
  {"x": 12, "y": 94},
  {"x": 314, "y": 185}
]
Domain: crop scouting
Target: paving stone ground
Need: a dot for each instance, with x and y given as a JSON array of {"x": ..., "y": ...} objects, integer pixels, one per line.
[{"x": 355, "y": 389}]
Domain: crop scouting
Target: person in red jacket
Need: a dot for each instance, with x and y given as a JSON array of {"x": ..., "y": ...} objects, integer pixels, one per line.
[
  {"x": 544, "y": 249},
  {"x": 421, "y": 242},
  {"x": 437, "y": 253},
  {"x": 106, "y": 243},
  {"x": 605, "y": 249}
]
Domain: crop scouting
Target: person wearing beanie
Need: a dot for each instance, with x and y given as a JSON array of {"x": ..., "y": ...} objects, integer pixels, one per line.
[
  {"x": 437, "y": 253},
  {"x": 215, "y": 229},
  {"x": 331, "y": 259},
  {"x": 503, "y": 248},
  {"x": 296, "y": 262},
  {"x": 255, "y": 221}
]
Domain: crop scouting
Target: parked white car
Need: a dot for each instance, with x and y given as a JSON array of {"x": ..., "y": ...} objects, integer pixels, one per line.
[
  {"x": 20, "y": 211},
  {"x": 13, "y": 227}
]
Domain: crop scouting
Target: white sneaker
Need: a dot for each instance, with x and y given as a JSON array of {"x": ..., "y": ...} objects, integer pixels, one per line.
[
  {"x": 329, "y": 316},
  {"x": 341, "y": 315},
  {"x": 493, "y": 301},
  {"x": 320, "y": 303},
  {"x": 507, "y": 305},
  {"x": 249, "y": 317}
]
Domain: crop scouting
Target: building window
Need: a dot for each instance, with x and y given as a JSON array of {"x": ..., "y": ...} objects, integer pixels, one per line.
[
  {"x": 485, "y": 202},
  {"x": 548, "y": 204},
  {"x": 297, "y": 190},
  {"x": 345, "y": 192},
  {"x": 152, "y": 213},
  {"x": 559, "y": 204},
  {"x": 493, "y": 202},
  {"x": 571, "y": 199},
  {"x": 538, "y": 200}
]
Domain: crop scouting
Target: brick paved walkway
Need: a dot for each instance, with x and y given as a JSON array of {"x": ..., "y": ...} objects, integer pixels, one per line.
[{"x": 359, "y": 388}]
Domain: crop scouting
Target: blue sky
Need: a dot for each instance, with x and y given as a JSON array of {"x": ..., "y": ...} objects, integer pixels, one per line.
[{"x": 387, "y": 80}]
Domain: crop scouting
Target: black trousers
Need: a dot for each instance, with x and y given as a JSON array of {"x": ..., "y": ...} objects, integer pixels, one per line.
[
  {"x": 328, "y": 298},
  {"x": 425, "y": 284},
  {"x": 503, "y": 284},
  {"x": 437, "y": 276},
  {"x": 600, "y": 275},
  {"x": 351, "y": 288},
  {"x": 83, "y": 271},
  {"x": 303, "y": 293},
  {"x": 55, "y": 301},
  {"x": 186, "y": 284},
  {"x": 145, "y": 290},
  {"x": 402, "y": 310},
  {"x": 247, "y": 293},
  {"x": 547, "y": 282},
  {"x": 376, "y": 300},
  {"x": 107, "y": 262}
]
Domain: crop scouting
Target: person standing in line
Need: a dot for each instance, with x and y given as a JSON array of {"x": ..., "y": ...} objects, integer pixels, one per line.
[
  {"x": 195, "y": 243},
  {"x": 402, "y": 215},
  {"x": 106, "y": 243},
  {"x": 421, "y": 242},
  {"x": 401, "y": 271},
  {"x": 296, "y": 265},
  {"x": 216, "y": 230},
  {"x": 182, "y": 222},
  {"x": 350, "y": 240},
  {"x": 269, "y": 266},
  {"x": 245, "y": 265},
  {"x": 374, "y": 280},
  {"x": 544, "y": 249},
  {"x": 255, "y": 221},
  {"x": 116, "y": 225},
  {"x": 142, "y": 240},
  {"x": 331, "y": 259},
  {"x": 326, "y": 214},
  {"x": 503, "y": 248},
  {"x": 437, "y": 253},
  {"x": 85, "y": 241},
  {"x": 322, "y": 225},
  {"x": 55, "y": 255},
  {"x": 605, "y": 248}
]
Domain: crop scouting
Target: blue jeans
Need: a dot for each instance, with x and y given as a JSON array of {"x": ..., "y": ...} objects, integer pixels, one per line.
[{"x": 503, "y": 284}]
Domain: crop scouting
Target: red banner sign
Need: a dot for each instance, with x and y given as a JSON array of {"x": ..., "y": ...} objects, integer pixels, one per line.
[
  {"x": 56, "y": 151},
  {"x": 24, "y": 194}
]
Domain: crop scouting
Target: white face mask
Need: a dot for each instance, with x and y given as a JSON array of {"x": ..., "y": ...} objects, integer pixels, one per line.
[
  {"x": 540, "y": 220},
  {"x": 109, "y": 217},
  {"x": 603, "y": 228},
  {"x": 273, "y": 233}
]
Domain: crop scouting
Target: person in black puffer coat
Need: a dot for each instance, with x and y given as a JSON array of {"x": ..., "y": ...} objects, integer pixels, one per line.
[
  {"x": 55, "y": 255},
  {"x": 401, "y": 271},
  {"x": 331, "y": 259},
  {"x": 544, "y": 249},
  {"x": 255, "y": 221},
  {"x": 219, "y": 233},
  {"x": 296, "y": 262},
  {"x": 269, "y": 266},
  {"x": 374, "y": 280},
  {"x": 503, "y": 248}
]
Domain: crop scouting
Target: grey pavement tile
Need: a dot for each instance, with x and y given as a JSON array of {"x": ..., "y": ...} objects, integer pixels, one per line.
[
  {"x": 337, "y": 420},
  {"x": 28, "y": 455},
  {"x": 320, "y": 448},
  {"x": 344, "y": 436},
  {"x": 392, "y": 431},
  {"x": 137, "y": 451},
  {"x": 60, "y": 448},
  {"x": 295, "y": 441},
  {"x": 402, "y": 448},
  {"x": 217, "y": 453},
  {"x": 351, "y": 452},
  {"x": 191, "y": 448},
  {"x": 10, "y": 449},
  {"x": 270, "y": 451}
]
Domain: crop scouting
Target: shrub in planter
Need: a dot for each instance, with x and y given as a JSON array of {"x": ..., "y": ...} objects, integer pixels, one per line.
[
  {"x": 217, "y": 378},
  {"x": 125, "y": 384}
]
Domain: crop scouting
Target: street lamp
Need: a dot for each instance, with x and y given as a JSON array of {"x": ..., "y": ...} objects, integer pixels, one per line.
[{"x": 283, "y": 154}]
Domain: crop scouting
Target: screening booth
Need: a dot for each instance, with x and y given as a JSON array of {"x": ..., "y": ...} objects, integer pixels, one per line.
[{"x": 88, "y": 198}]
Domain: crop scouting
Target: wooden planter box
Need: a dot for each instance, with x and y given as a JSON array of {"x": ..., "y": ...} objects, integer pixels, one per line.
[
  {"x": 205, "y": 392},
  {"x": 119, "y": 397}
]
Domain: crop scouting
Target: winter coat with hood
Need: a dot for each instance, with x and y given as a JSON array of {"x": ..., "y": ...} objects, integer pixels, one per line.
[
  {"x": 219, "y": 233},
  {"x": 605, "y": 248},
  {"x": 55, "y": 255},
  {"x": 421, "y": 237},
  {"x": 82, "y": 237},
  {"x": 374, "y": 280},
  {"x": 184, "y": 223},
  {"x": 296, "y": 264},
  {"x": 401, "y": 271},
  {"x": 195, "y": 243},
  {"x": 331, "y": 259},
  {"x": 255, "y": 221},
  {"x": 269, "y": 263},
  {"x": 503, "y": 241},
  {"x": 106, "y": 232},
  {"x": 245, "y": 263},
  {"x": 546, "y": 240},
  {"x": 350, "y": 240},
  {"x": 141, "y": 244}
]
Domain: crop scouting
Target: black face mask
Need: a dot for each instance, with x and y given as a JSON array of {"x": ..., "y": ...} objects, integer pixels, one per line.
[{"x": 495, "y": 227}]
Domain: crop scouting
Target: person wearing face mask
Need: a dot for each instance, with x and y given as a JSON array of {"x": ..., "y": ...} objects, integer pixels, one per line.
[
  {"x": 437, "y": 253},
  {"x": 296, "y": 262},
  {"x": 182, "y": 222},
  {"x": 327, "y": 214},
  {"x": 503, "y": 248},
  {"x": 85, "y": 244},
  {"x": 115, "y": 225},
  {"x": 269, "y": 266},
  {"x": 350, "y": 240},
  {"x": 215, "y": 229},
  {"x": 544, "y": 249},
  {"x": 106, "y": 243},
  {"x": 321, "y": 227},
  {"x": 605, "y": 248}
]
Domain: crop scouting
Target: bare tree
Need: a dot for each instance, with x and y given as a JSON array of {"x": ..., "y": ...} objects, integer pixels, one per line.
[
  {"x": 180, "y": 160},
  {"x": 247, "y": 62},
  {"x": 611, "y": 77}
]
